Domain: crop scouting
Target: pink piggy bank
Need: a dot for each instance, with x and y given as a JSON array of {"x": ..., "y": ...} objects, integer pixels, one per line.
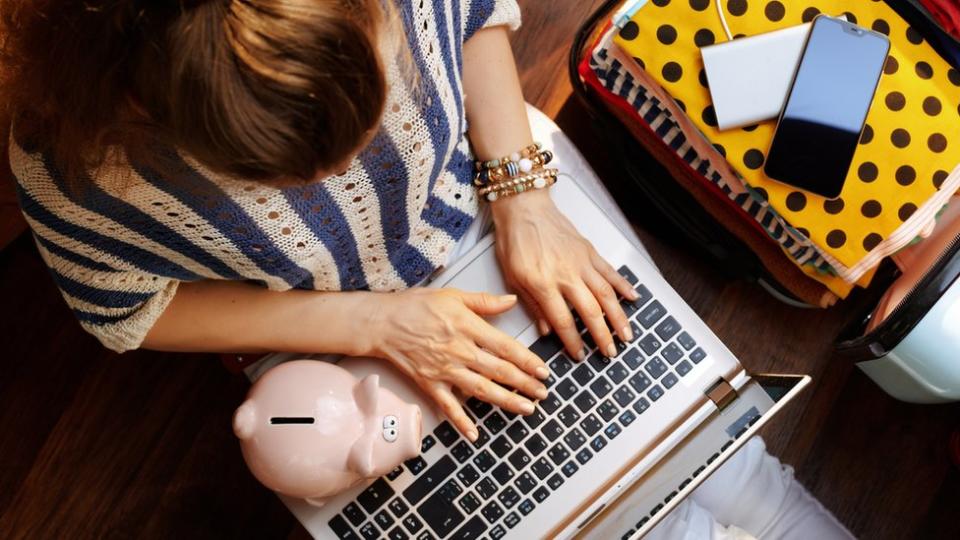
[{"x": 311, "y": 430}]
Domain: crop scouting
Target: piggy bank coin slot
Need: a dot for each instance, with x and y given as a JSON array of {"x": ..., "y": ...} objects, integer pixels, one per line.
[{"x": 291, "y": 420}]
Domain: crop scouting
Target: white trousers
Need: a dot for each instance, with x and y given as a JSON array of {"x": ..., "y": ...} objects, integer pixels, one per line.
[{"x": 750, "y": 496}]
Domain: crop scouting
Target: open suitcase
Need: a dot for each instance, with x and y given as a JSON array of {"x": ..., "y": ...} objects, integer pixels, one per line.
[{"x": 908, "y": 339}]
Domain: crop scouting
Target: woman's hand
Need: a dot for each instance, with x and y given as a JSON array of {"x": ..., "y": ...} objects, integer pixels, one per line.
[
  {"x": 438, "y": 338},
  {"x": 550, "y": 264}
]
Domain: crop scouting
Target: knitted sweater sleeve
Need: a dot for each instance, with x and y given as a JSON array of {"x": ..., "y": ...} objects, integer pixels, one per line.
[
  {"x": 98, "y": 267},
  {"x": 479, "y": 14}
]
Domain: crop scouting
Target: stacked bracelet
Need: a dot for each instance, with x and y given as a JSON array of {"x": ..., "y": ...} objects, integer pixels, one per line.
[
  {"x": 517, "y": 185},
  {"x": 515, "y": 157},
  {"x": 512, "y": 169}
]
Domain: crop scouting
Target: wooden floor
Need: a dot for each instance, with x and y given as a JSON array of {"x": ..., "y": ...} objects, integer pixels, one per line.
[{"x": 99, "y": 445}]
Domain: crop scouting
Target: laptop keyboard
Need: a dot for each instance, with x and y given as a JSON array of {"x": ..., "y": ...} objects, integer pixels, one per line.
[{"x": 465, "y": 490}]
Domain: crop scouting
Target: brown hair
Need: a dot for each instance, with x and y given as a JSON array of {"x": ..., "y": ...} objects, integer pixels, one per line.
[{"x": 257, "y": 88}]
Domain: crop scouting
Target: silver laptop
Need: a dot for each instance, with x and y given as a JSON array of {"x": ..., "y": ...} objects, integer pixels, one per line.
[{"x": 616, "y": 445}]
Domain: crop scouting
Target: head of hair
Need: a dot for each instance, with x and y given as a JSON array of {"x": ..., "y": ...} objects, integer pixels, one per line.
[{"x": 261, "y": 89}]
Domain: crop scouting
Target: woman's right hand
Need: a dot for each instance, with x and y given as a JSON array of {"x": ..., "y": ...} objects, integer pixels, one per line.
[{"x": 438, "y": 338}]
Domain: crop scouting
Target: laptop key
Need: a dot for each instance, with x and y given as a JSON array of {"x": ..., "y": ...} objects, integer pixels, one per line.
[
  {"x": 697, "y": 355},
  {"x": 624, "y": 396},
  {"x": 517, "y": 431},
  {"x": 598, "y": 443},
  {"x": 598, "y": 362},
  {"x": 397, "y": 534},
  {"x": 649, "y": 315},
  {"x": 628, "y": 308},
  {"x": 627, "y": 418},
  {"x": 584, "y": 456},
  {"x": 497, "y": 532},
  {"x": 519, "y": 459},
  {"x": 354, "y": 514},
  {"x": 618, "y": 371},
  {"x": 574, "y": 439},
  {"x": 607, "y": 410},
  {"x": 341, "y": 528},
  {"x": 525, "y": 483},
  {"x": 375, "y": 496},
  {"x": 601, "y": 387},
  {"x": 508, "y": 497},
  {"x": 427, "y": 443},
  {"x": 546, "y": 346},
  {"x": 484, "y": 461},
  {"x": 398, "y": 507},
  {"x": 541, "y": 494},
  {"x": 584, "y": 401},
  {"x": 649, "y": 344},
  {"x": 555, "y": 481},
  {"x": 461, "y": 451},
  {"x": 439, "y": 513},
  {"x": 632, "y": 358},
  {"x": 628, "y": 275},
  {"x": 568, "y": 415},
  {"x": 495, "y": 423},
  {"x": 591, "y": 424},
  {"x": 446, "y": 433},
  {"x": 471, "y": 530},
  {"x": 469, "y": 502},
  {"x": 561, "y": 365},
  {"x": 511, "y": 520},
  {"x": 468, "y": 475},
  {"x": 486, "y": 488},
  {"x": 501, "y": 446},
  {"x": 526, "y": 507},
  {"x": 534, "y": 419},
  {"x": 479, "y": 408},
  {"x": 612, "y": 431},
  {"x": 641, "y": 405},
  {"x": 669, "y": 381},
  {"x": 482, "y": 437},
  {"x": 671, "y": 353},
  {"x": 655, "y": 393},
  {"x": 552, "y": 430},
  {"x": 542, "y": 468},
  {"x": 582, "y": 374},
  {"x": 433, "y": 477},
  {"x": 683, "y": 368},
  {"x": 639, "y": 382},
  {"x": 415, "y": 465},
  {"x": 686, "y": 340},
  {"x": 570, "y": 468},
  {"x": 667, "y": 328},
  {"x": 370, "y": 531},
  {"x": 502, "y": 474},
  {"x": 395, "y": 473},
  {"x": 550, "y": 404},
  {"x": 655, "y": 368},
  {"x": 535, "y": 444},
  {"x": 644, "y": 295},
  {"x": 492, "y": 511},
  {"x": 558, "y": 454},
  {"x": 566, "y": 389}
]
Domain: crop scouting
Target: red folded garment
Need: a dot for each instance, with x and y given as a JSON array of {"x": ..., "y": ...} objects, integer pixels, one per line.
[{"x": 947, "y": 14}]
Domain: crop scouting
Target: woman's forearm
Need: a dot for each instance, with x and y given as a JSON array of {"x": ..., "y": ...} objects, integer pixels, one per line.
[{"x": 222, "y": 316}]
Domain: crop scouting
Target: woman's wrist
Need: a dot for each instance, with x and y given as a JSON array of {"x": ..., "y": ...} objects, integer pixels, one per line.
[{"x": 531, "y": 202}]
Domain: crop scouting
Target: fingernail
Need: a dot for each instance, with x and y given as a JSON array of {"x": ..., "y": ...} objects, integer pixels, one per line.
[
  {"x": 633, "y": 295},
  {"x": 526, "y": 407},
  {"x": 472, "y": 435},
  {"x": 543, "y": 327},
  {"x": 509, "y": 298},
  {"x": 582, "y": 354},
  {"x": 611, "y": 350},
  {"x": 542, "y": 392},
  {"x": 543, "y": 372},
  {"x": 627, "y": 333}
]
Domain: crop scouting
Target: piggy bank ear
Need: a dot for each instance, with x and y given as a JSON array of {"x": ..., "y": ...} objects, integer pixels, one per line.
[
  {"x": 360, "y": 459},
  {"x": 245, "y": 420},
  {"x": 367, "y": 393}
]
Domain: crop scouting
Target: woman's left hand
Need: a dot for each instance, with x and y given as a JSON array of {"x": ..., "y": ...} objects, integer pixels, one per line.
[{"x": 549, "y": 264}]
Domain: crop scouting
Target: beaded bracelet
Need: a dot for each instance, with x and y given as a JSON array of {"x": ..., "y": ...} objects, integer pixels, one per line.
[
  {"x": 513, "y": 169},
  {"x": 512, "y": 158},
  {"x": 515, "y": 186}
]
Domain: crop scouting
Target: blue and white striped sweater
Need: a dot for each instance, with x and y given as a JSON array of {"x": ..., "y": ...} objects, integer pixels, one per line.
[{"x": 118, "y": 248}]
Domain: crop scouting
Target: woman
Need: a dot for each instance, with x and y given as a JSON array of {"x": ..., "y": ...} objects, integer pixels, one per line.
[{"x": 280, "y": 175}]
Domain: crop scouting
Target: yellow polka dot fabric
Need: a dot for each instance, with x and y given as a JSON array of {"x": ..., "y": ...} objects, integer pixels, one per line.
[{"x": 909, "y": 150}]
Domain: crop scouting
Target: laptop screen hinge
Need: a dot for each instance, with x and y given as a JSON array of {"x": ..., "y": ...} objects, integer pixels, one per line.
[{"x": 722, "y": 394}]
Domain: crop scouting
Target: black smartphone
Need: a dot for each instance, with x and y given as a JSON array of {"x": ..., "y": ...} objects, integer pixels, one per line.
[{"x": 824, "y": 113}]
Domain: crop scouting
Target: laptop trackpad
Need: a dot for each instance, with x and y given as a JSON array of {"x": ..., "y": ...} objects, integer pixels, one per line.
[{"x": 483, "y": 275}]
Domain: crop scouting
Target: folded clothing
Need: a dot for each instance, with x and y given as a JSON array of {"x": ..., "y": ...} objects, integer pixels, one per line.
[
  {"x": 652, "y": 126},
  {"x": 905, "y": 168},
  {"x": 946, "y": 13},
  {"x": 650, "y": 105}
]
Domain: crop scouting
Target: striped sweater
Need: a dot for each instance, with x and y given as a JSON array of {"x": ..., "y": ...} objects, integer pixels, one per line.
[{"x": 119, "y": 248}]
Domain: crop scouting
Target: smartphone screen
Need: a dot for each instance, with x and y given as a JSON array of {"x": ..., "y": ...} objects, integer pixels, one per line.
[{"x": 821, "y": 122}]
